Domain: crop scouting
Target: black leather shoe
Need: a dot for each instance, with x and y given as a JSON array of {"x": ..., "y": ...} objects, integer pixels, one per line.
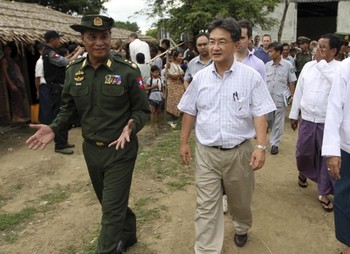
[
  {"x": 274, "y": 150},
  {"x": 240, "y": 240},
  {"x": 70, "y": 145},
  {"x": 124, "y": 246}
]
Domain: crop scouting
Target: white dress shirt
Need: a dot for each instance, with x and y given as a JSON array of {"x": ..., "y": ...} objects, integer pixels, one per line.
[
  {"x": 39, "y": 70},
  {"x": 337, "y": 126},
  {"x": 225, "y": 106},
  {"x": 312, "y": 91},
  {"x": 138, "y": 46}
]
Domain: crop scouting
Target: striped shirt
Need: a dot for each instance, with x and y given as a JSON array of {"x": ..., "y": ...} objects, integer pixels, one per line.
[{"x": 225, "y": 106}]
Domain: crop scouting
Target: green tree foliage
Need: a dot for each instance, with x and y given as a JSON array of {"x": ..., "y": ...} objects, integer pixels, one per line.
[
  {"x": 153, "y": 32},
  {"x": 81, "y": 7},
  {"x": 193, "y": 16},
  {"x": 128, "y": 26}
]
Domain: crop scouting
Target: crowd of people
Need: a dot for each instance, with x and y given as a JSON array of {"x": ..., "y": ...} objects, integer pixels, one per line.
[{"x": 226, "y": 85}]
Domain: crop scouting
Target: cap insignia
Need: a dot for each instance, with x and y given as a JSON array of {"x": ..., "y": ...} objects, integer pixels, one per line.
[{"x": 98, "y": 21}]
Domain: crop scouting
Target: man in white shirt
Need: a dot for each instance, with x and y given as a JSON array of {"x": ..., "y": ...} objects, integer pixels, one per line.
[
  {"x": 336, "y": 147},
  {"x": 138, "y": 46},
  {"x": 227, "y": 101},
  {"x": 280, "y": 78},
  {"x": 42, "y": 90},
  {"x": 311, "y": 99}
]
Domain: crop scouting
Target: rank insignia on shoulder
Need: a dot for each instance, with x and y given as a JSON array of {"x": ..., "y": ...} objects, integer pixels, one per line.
[
  {"x": 134, "y": 65},
  {"x": 113, "y": 80},
  {"x": 109, "y": 63}
]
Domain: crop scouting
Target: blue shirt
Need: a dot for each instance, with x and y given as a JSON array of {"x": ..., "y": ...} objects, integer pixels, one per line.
[{"x": 261, "y": 54}]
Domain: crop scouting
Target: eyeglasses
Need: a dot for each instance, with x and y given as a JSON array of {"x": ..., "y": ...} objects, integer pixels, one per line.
[{"x": 220, "y": 43}]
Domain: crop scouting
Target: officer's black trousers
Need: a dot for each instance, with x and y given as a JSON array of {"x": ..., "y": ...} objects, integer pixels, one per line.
[
  {"x": 111, "y": 171},
  {"x": 49, "y": 107}
]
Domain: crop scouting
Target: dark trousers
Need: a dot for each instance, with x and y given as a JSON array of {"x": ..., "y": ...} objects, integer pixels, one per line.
[
  {"x": 111, "y": 174},
  {"x": 49, "y": 106},
  {"x": 342, "y": 201}
]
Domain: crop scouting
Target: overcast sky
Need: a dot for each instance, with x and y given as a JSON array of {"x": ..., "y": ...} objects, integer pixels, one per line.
[{"x": 121, "y": 10}]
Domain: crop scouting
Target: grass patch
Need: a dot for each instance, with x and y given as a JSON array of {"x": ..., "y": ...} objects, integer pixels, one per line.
[
  {"x": 10, "y": 220},
  {"x": 161, "y": 159},
  {"x": 57, "y": 196},
  {"x": 17, "y": 187},
  {"x": 144, "y": 213},
  {"x": 70, "y": 250},
  {"x": 11, "y": 223}
]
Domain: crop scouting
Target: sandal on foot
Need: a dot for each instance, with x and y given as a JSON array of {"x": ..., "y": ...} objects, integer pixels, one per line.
[
  {"x": 325, "y": 205},
  {"x": 302, "y": 181}
]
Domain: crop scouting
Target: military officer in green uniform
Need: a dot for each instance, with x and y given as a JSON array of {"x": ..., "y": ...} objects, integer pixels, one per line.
[
  {"x": 105, "y": 92},
  {"x": 304, "y": 55}
]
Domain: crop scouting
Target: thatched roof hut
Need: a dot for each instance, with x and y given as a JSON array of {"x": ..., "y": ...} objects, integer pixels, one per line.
[{"x": 25, "y": 24}]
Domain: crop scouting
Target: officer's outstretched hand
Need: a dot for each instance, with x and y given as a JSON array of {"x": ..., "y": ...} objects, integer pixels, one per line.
[
  {"x": 124, "y": 137},
  {"x": 41, "y": 138}
]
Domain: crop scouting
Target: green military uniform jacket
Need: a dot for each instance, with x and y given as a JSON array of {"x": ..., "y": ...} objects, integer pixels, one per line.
[
  {"x": 301, "y": 59},
  {"x": 105, "y": 99}
]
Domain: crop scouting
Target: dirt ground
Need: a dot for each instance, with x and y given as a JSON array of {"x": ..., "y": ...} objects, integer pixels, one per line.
[{"x": 287, "y": 218}]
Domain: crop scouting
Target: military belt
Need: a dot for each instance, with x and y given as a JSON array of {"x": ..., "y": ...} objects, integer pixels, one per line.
[{"x": 97, "y": 143}]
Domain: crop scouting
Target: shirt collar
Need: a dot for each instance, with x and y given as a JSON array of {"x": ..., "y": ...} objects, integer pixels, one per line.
[
  {"x": 232, "y": 68},
  {"x": 108, "y": 62}
]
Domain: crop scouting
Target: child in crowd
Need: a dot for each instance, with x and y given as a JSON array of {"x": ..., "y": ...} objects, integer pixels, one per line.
[{"x": 156, "y": 89}]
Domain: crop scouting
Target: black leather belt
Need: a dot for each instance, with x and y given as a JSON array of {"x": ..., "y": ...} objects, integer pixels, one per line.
[
  {"x": 227, "y": 149},
  {"x": 97, "y": 143}
]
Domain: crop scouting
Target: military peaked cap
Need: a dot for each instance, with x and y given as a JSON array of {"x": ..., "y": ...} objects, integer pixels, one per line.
[
  {"x": 303, "y": 39},
  {"x": 94, "y": 22}
]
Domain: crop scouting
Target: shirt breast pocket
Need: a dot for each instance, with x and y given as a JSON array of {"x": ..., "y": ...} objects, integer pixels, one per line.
[
  {"x": 79, "y": 91},
  {"x": 112, "y": 90},
  {"x": 241, "y": 107},
  {"x": 281, "y": 77}
]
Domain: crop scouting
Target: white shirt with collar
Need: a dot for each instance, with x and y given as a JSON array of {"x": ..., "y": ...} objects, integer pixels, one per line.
[
  {"x": 39, "y": 70},
  {"x": 312, "y": 90},
  {"x": 337, "y": 125},
  {"x": 225, "y": 106},
  {"x": 138, "y": 46}
]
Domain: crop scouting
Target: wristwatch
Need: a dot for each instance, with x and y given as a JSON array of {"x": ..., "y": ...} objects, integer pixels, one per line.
[{"x": 264, "y": 148}]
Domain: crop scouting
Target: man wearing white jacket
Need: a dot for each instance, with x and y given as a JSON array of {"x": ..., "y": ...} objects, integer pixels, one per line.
[
  {"x": 311, "y": 97},
  {"x": 336, "y": 146}
]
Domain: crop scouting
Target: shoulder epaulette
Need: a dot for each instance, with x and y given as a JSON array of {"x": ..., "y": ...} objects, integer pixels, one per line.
[
  {"x": 76, "y": 61},
  {"x": 126, "y": 62}
]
